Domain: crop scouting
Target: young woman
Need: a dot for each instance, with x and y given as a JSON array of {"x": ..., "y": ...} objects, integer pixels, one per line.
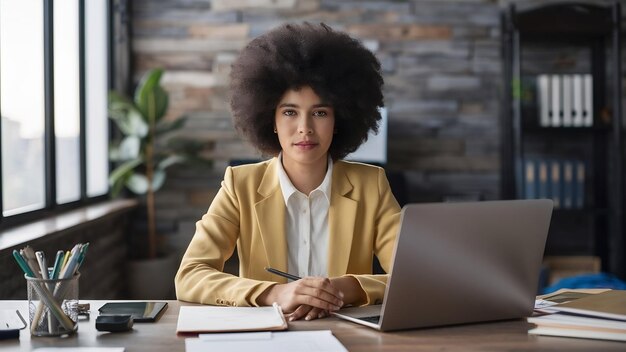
[{"x": 308, "y": 96}]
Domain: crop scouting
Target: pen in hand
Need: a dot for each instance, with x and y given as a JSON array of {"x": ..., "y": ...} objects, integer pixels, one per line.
[{"x": 282, "y": 273}]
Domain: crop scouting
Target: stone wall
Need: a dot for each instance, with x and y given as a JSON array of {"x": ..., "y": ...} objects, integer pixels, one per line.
[{"x": 442, "y": 68}]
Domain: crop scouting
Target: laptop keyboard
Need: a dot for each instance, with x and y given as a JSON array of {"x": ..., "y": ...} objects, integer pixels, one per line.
[{"x": 373, "y": 319}]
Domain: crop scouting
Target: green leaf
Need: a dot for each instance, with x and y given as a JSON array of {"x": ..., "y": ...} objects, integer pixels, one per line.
[
  {"x": 137, "y": 183},
  {"x": 117, "y": 186},
  {"x": 162, "y": 102},
  {"x": 126, "y": 116},
  {"x": 129, "y": 148},
  {"x": 158, "y": 180},
  {"x": 169, "y": 126},
  {"x": 136, "y": 124},
  {"x": 150, "y": 98},
  {"x": 114, "y": 153},
  {"x": 124, "y": 170},
  {"x": 170, "y": 160},
  {"x": 148, "y": 82}
]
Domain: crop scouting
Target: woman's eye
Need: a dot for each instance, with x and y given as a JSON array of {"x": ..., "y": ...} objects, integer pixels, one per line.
[
  {"x": 320, "y": 113},
  {"x": 289, "y": 113}
]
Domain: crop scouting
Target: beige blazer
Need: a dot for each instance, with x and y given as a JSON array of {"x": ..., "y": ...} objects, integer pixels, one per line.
[{"x": 249, "y": 212}]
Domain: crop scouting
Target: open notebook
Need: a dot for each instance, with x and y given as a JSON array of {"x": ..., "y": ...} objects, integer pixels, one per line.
[{"x": 198, "y": 319}]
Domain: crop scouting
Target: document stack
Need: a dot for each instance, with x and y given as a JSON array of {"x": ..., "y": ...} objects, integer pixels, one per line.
[
  {"x": 565, "y": 100},
  {"x": 596, "y": 316},
  {"x": 248, "y": 329}
]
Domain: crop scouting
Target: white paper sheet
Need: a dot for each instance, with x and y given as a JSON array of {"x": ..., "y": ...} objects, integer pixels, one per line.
[
  {"x": 292, "y": 341},
  {"x": 79, "y": 349},
  {"x": 265, "y": 335}
]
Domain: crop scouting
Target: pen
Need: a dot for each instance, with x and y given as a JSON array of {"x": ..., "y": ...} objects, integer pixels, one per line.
[
  {"x": 83, "y": 253},
  {"x": 43, "y": 264},
  {"x": 29, "y": 256},
  {"x": 282, "y": 273},
  {"x": 22, "y": 263},
  {"x": 66, "y": 257},
  {"x": 56, "y": 269},
  {"x": 70, "y": 267}
]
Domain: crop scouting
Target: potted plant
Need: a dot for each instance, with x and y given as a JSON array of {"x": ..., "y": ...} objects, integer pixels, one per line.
[{"x": 143, "y": 153}]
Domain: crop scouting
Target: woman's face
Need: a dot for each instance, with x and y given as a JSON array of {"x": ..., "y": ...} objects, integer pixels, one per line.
[{"x": 305, "y": 126}]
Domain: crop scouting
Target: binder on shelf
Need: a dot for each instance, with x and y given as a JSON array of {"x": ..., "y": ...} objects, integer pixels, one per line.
[
  {"x": 587, "y": 100},
  {"x": 543, "y": 84},
  {"x": 555, "y": 186},
  {"x": 579, "y": 200},
  {"x": 557, "y": 111},
  {"x": 567, "y": 100},
  {"x": 543, "y": 179},
  {"x": 568, "y": 184},
  {"x": 577, "y": 103},
  {"x": 529, "y": 180}
]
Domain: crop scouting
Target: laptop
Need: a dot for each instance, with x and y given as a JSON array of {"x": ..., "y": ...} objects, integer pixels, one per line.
[{"x": 457, "y": 263}]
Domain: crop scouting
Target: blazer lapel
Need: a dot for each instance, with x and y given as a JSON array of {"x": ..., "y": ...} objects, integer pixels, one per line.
[
  {"x": 270, "y": 216},
  {"x": 341, "y": 218}
]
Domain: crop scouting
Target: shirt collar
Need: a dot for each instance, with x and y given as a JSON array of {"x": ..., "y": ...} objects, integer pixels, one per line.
[{"x": 289, "y": 189}]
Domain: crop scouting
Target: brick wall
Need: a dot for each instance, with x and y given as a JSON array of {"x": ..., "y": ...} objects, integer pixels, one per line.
[{"x": 442, "y": 69}]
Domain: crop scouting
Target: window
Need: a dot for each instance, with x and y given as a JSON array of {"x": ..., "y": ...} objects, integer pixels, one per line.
[
  {"x": 22, "y": 105},
  {"x": 66, "y": 100},
  {"x": 54, "y": 69},
  {"x": 96, "y": 78}
]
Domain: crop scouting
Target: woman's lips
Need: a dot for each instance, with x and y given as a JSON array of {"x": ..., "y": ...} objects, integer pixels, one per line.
[{"x": 305, "y": 145}]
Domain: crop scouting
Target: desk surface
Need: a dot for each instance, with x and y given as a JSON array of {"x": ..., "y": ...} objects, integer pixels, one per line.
[{"x": 161, "y": 336}]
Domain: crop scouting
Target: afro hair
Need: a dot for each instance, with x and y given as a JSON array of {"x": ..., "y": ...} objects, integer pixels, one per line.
[{"x": 337, "y": 67}]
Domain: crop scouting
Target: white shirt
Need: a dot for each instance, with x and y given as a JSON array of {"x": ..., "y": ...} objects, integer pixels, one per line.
[{"x": 307, "y": 225}]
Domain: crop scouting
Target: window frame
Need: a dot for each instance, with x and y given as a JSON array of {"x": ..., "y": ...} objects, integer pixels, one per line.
[{"x": 51, "y": 206}]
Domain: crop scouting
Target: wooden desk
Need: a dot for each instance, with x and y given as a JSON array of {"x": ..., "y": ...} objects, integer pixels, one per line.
[{"x": 161, "y": 336}]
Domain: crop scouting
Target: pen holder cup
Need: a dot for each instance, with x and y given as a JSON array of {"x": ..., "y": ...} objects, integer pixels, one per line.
[{"x": 53, "y": 306}]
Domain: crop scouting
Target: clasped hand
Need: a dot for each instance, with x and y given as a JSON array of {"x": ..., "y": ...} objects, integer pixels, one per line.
[{"x": 308, "y": 298}]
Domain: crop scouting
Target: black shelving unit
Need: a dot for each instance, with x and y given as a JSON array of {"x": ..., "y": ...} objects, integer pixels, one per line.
[{"x": 568, "y": 41}]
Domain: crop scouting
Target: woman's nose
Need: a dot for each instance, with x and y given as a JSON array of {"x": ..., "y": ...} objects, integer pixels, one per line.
[{"x": 304, "y": 127}]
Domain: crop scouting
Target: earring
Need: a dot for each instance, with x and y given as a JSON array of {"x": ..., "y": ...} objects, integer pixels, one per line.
[{"x": 275, "y": 131}]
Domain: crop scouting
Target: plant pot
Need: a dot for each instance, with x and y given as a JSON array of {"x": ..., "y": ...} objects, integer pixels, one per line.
[{"x": 152, "y": 278}]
